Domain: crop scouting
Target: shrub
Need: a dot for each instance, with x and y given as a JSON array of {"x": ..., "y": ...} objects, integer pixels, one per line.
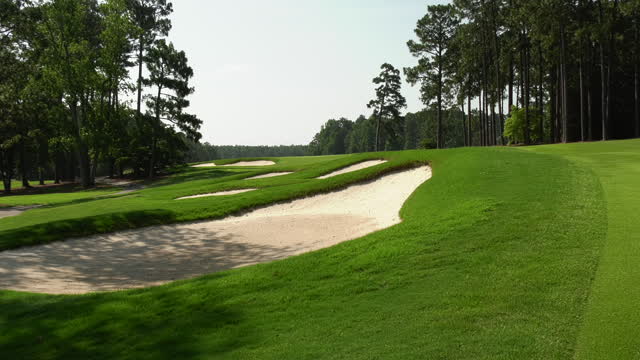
[{"x": 515, "y": 125}]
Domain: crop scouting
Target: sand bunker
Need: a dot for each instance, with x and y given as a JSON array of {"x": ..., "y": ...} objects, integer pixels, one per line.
[
  {"x": 352, "y": 168},
  {"x": 16, "y": 210},
  {"x": 252, "y": 163},
  {"x": 160, "y": 254},
  {"x": 269, "y": 175},
  {"x": 219, "y": 193},
  {"x": 240, "y": 163}
]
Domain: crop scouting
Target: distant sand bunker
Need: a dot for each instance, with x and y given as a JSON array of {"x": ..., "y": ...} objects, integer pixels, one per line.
[
  {"x": 252, "y": 163},
  {"x": 219, "y": 193},
  {"x": 160, "y": 254},
  {"x": 269, "y": 175},
  {"x": 15, "y": 211},
  {"x": 352, "y": 168},
  {"x": 240, "y": 163}
]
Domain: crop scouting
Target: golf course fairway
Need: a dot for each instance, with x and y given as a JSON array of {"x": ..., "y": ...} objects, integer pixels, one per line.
[{"x": 505, "y": 253}]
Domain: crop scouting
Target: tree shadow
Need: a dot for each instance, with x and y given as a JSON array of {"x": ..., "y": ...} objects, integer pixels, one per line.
[
  {"x": 130, "y": 259},
  {"x": 193, "y": 174},
  {"x": 174, "y": 321},
  {"x": 167, "y": 324},
  {"x": 57, "y": 230}
]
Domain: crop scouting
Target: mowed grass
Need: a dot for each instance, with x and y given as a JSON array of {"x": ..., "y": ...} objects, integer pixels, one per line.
[
  {"x": 494, "y": 260},
  {"x": 612, "y": 321},
  {"x": 55, "y": 196}
]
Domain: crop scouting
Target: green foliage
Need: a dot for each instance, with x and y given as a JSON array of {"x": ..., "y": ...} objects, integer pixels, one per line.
[
  {"x": 515, "y": 125},
  {"x": 332, "y": 138},
  {"x": 64, "y": 74},
  {"x": 434, "y": 71},
  {"x": 388, "y": 102}
]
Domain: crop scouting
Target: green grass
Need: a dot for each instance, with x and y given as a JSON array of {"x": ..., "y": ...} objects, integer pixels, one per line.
[
  {"x": 56, "y": 196},
  {"x": 495, "y": 259},
  {"x": 612, "y": 320}
]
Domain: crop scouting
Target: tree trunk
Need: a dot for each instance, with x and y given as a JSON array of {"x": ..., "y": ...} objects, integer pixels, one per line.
[
  {"x": 603, "y": 95},
  {"x": 469, "y": 134},
  {"x": 581, "y": 85},
  {"x": 636, "y": 84},
  {"x": 482, "y": 120},
  {"x": 540, "y": 94},
  {"x": 439, "y": 142},
  {"x": 57, "y": 166},
  {"x": 464, "y": 125},
  {"x": 589, "y": 110},
  {"x": 558, "y": 104},
  {"x": 154, "y": 141},
  {"x": 139, "y": 87},
  {"x": 563, "y": 81},
  {"x": 610, "y": 66},
  {"x": 527, "y": 89},
  {"x": 499, "y": 89},
  {"x": 603, "y": 80},
  {"x": 376, "y": 147},
  {"x": 81, "y": 148},
  {"x": 510, "y": 83},
  {"x": 494, "y": 123},
  {"x": 23, "y": 167},
  {"x": 636, "y": 104},
  {"x": 553, "y": 106},
  {"x": 6, "y": 168}
]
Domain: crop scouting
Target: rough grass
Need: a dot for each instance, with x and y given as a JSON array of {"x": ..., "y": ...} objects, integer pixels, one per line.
[{"x": 494, "y": 260}]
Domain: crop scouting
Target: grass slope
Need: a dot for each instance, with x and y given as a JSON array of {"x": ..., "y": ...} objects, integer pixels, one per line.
[
  {"x": 612, "y": 321},
  {"x": 494, "y": 260}
]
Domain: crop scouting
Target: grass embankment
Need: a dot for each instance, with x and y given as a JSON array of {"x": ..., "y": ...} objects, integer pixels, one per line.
[
  {"x": 494, "y": 260},
  {"x": 612, "y": 321}
]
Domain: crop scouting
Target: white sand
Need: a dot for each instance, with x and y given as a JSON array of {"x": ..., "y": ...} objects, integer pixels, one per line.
[
  {"x": 352, "y": 168},
  {"x": 219, "y": 193},
  {"x": 8, "y": 212},
  {"x": 16, "y": 210},
  {"x": 160, "y": 254},
  {"x": 269, "y": 175},
  {"x": 252, "y": 163},
  {"x": 240, "y": 163}
]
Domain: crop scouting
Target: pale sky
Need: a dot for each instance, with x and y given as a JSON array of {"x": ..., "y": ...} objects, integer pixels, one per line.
[{"x": 271, "y": 72}]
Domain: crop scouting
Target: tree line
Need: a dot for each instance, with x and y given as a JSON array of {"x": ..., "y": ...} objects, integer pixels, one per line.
[
  {"x": 199, "y": 152},
  {"x": 65, "y": 90},
  {"x": 514, "y": 71}
]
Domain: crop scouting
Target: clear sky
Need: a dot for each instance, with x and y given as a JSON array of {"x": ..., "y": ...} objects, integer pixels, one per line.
[{"x": 271, "y": 72}]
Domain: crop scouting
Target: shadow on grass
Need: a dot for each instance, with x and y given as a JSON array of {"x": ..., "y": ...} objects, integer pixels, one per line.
[
  {"x": 48, "y": 189},
  {"x": 58, "y": 230},
  {"x": 192, "y": 174},
  {"x": 125, "y": 325},
  {"x": 131, "y": 259}
]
